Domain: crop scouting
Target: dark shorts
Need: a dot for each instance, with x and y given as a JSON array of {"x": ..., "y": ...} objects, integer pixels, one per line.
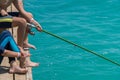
[{"x": 6, "y": 21}]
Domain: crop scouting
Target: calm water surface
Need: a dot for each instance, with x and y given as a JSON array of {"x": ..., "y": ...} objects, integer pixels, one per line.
[{"x": 94, "y": 24}]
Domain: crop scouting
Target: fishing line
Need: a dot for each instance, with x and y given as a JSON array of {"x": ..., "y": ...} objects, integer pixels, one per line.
[{"x": 79, "y": 46}]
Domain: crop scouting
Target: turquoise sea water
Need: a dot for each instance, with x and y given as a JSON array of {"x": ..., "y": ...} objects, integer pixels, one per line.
[{"x": 94, "y": 24}]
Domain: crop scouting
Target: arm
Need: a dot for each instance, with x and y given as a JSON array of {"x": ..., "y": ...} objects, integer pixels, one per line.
[
  {"x": 9, "y": 53},
  {"x": 19, "y": 5},
  {"x": 38, "y": 26}
]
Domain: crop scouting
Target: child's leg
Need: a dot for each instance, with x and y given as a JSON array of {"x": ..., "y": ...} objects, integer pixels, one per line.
[
  {"x": 7, "y": 39},
  {"x": 7, "y": 42}
]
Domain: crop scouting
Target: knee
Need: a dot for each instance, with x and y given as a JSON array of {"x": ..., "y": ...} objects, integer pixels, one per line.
[
  {"x": 22, "y": 21},
  {"x": 6, "y": 32}
]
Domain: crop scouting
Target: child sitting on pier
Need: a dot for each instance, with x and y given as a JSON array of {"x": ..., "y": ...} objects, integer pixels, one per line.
[{"x": 9, "y": 48}]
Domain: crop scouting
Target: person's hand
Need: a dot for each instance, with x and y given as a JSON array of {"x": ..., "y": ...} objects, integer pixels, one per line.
[
  {"x": 39, "y": 28},
  {"x": 3, "y": 12}
]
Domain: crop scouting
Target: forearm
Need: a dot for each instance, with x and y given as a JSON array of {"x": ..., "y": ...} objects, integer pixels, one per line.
[
  {"x": 19, "y": 6},
  {"x": 9, "y": 53},
  {"x": 28, "y": 16}
]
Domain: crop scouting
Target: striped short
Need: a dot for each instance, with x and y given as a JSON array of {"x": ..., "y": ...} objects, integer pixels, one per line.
[{"x": 6, "y": 21}]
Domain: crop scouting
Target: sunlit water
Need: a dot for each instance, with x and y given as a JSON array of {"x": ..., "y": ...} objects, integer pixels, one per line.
[{"x": 94, "y": 24}]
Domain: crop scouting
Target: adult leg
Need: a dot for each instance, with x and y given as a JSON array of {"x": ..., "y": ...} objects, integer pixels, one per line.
[
  {"x": 26, "y": 43},
  {"x": 21, "y": 23},
  {"x": 17, "y": 15}
]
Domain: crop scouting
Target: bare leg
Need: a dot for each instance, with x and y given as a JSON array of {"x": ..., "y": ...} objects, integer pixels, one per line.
[
  {"x": 21, "y": 23},
  {"x": 26, "y": 43},
  {"x": 22, "y": 62}
]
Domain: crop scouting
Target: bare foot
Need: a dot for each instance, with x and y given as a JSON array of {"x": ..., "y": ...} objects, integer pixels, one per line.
[
  {"x": 31, "y": 64},
  {"x": 16, "y": 69},
  {"x": 27, "y": 45}
]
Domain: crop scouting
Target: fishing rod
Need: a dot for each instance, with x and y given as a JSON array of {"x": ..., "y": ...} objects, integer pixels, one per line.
[{"x": 81, "y": 47}]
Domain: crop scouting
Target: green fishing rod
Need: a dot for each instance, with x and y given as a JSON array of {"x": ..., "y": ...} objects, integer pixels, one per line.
[{"x": 79, "y": 46}]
